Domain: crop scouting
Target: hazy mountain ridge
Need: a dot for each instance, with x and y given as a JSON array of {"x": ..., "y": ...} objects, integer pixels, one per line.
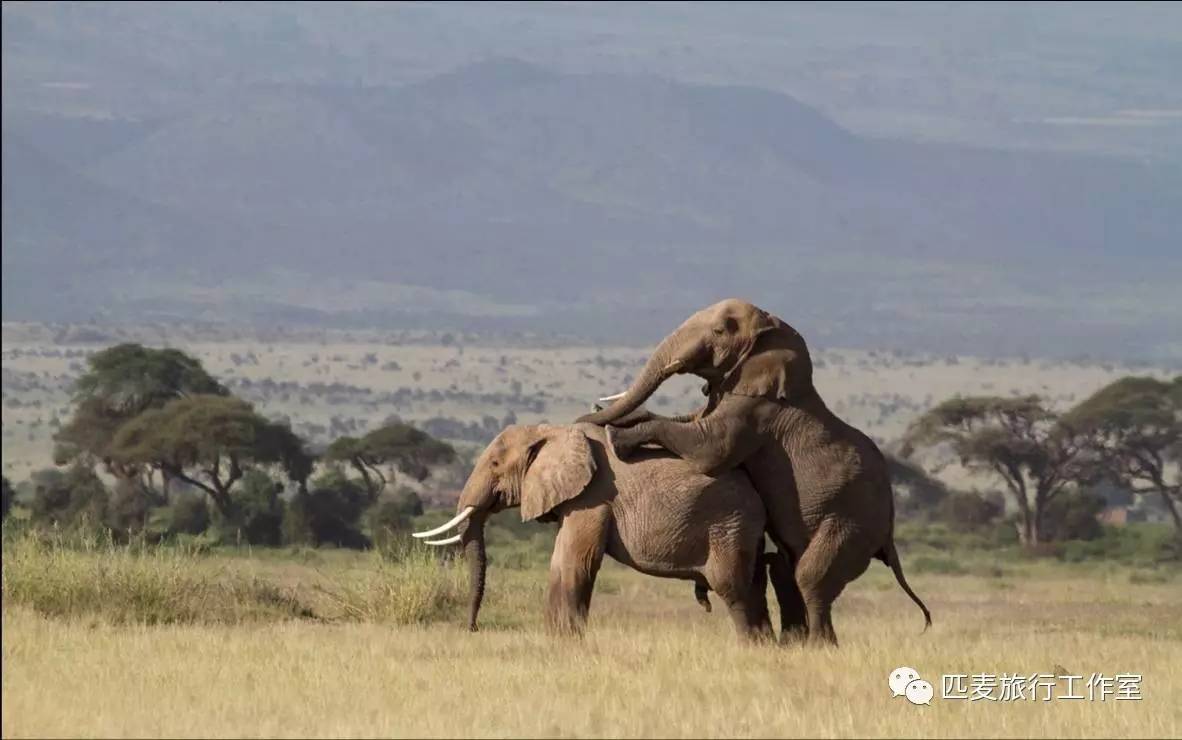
[{"x": 581, "y": 194}]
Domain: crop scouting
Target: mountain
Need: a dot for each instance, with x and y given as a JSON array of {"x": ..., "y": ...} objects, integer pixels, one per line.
[{"x": 508, "y": 194}]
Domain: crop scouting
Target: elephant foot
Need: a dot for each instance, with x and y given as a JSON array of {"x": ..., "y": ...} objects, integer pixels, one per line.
[
  {"x": 623, "y": 441},
  {"x": 795, "y": 635}
]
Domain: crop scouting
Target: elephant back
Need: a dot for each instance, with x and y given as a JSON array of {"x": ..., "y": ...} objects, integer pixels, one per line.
[{"x": 667, "y": 514}]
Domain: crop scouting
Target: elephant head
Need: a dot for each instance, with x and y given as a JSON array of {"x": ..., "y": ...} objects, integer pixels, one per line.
[
  {"x": 735, "y": 346},
  {"x": 536, "y": 468}
]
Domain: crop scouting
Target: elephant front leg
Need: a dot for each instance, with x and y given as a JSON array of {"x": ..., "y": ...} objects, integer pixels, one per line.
[
  {"x": 578, "y": 553},
  {"x": 713, "y": 445}
]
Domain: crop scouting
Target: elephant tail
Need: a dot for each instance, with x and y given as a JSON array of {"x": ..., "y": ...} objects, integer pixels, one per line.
[
  {"x": 700, "y": 593},
  {"x": 890, "y": 556}
]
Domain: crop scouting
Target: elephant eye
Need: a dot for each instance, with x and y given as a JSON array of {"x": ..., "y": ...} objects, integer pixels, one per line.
[{"x": 718, "y": 331}]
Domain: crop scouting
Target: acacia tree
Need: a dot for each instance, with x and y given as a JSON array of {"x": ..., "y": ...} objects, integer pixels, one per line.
[
  {"x": 122, "y": 382},
  {"x": 393, "y": 445},
  {"x": 1134, "y": 429},
  {"x": 923, "y": 493},
  {"x": 1019, "y": 440},
  {"x": 210, "y": 442}
]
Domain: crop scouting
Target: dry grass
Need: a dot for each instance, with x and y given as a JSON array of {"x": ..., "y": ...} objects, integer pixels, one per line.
[
  {"x": 94, "y": 578},
  {"x": 652, "y": 664}
]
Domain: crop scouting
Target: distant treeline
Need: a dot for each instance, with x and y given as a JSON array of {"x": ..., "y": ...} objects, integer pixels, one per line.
[{"x": 156, "y": 447}]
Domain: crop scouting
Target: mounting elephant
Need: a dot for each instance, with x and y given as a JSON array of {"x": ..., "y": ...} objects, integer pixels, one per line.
[
  {"x": 824, "y": 483},
  {"x": 655, "y": 513}
]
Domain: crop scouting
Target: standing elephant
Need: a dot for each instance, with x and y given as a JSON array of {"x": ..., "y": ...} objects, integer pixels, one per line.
[
  {"x": 824, "y": 483},
  {"x": 656, "y": 514}
]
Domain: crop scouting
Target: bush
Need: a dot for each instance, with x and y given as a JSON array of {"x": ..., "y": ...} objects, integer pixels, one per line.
[
  {"x": 963, "y": 511},
  {"x": 6, "y": 497},
  {"x": 257, "y": 516},
  {"x": 328, "y": 514},
  {"x": 389, "y": 520},
  {"x": 187, "y": 514},
  {"x": 407, "y": 502},
  {"x": 387, "y": 523},
  {"x": 297, "y": 522},
  {"x": 74, "y": 499},
  {"x": 1072, "y": 516},
  {"x": 1145, "y": 545},
  {"x": 129, "y": 509}
]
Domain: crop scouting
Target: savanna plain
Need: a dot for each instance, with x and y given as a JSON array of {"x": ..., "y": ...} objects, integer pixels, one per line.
[
  {"x": 103, "y": 640},
  {"x": 197, "y": 640}
]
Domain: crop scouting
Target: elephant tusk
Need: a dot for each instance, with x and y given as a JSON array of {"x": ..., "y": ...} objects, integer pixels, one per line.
[
  {"x": 673, "y": 367},
  {"x": 467, "y": 512},
  {"x": 609, "y": 399},
  {"x": 449, "y": 541}
]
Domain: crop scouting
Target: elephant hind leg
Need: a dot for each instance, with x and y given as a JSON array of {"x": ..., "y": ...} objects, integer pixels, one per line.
[
  {"x": 833, "y": 558},
  {"x": 793, "y": 616},
  {"x": 742, "y": 587},
  {"x": 758, "y": 616}
]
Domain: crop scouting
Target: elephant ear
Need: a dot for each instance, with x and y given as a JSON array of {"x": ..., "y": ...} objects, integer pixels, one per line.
[
  {"x": 777, "y": 366},
  {"x": 561, "y": 465}
]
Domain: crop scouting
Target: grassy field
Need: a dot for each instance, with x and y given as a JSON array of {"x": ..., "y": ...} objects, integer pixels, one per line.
[{"x": 330, "y": 643}]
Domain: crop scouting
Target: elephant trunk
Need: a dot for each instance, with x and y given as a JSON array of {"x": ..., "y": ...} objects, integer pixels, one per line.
[
  {"x": 473, "y": 540},
  {"x": 670, "y": 357}
]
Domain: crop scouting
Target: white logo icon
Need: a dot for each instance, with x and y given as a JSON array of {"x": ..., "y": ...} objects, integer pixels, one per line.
[
  {"x": 899, "y": 679},
  {"x": 919, "y": 691},
  {"x": 906, "y": 682}
]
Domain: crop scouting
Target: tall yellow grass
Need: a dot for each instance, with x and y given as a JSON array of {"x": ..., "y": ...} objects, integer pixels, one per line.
[{"x": 652, "y": 663}]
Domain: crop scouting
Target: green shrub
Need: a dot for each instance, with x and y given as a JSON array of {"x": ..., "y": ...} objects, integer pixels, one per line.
[
  {"x": 186, "y": 514},
  {"x": 407, "y": 501},
  {"x": 261, "y": 508},
  {"x": 129, "y": 509},
  {"x": 72, "y": 499},
  {"x": 1072, "y": 516},
  {"x": 329, "y": 514},
  {"x": 1144, "y": 545},
  {"x": 388, "y": 522},
  {"x": 964, "y": 511},
  {"x": 297, "y": 522},
  {"x": 7, "y": 495}
]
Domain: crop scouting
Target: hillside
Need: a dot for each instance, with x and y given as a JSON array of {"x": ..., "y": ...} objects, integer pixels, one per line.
[{"x": 566, "y": 202}]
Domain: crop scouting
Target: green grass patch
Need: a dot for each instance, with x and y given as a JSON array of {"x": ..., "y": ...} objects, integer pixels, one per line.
[{"x": 90, "y": 577}]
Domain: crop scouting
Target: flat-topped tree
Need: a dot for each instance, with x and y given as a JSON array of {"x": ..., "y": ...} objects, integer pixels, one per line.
[
  {"x": 131, "y": 378},
  {"x": 210, "y": 442},
  {"x": 1134, "y": 427},
  {"x": 122, "y": 382},
  {"x": 1019, "y": 440},
  {"x": 395, "y": 445}
]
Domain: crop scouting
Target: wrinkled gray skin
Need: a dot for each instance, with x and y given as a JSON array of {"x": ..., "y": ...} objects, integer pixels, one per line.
[
  {"x": 654, "y": 513},
  {"x": 824, "y": 483}
]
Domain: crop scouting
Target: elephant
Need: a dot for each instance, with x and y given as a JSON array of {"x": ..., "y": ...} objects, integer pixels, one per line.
[
  {"x": 654, "y": 513},
  {"x": 824, "y": 483}
]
